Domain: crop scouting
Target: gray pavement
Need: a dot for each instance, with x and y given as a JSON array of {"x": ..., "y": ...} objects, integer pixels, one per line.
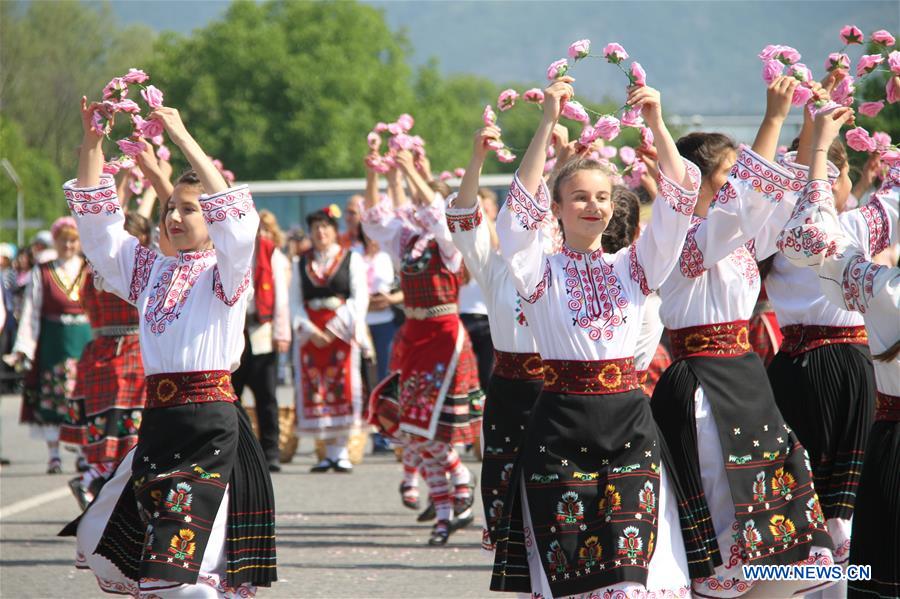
[{"x": 338, "y": 535}]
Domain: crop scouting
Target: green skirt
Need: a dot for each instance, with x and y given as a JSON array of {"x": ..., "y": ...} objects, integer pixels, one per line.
[{"x": 52, "y": 377}]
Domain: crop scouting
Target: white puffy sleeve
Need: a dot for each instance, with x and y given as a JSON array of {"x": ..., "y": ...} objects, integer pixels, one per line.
[
  {"x": 348, "y": 323},
  {"x": 124, "y": 264},
  {"x": 744, "y": 209},
  {"x": 521, "y": 232},
  {"x": 434, "y": 220},
  {"x": 656, "y": 252},
  {"x": 472, "y": 237},
  {"x": 299, "y": 319},
  {"x": 233, "y": 223},
  {"x": 382, "y": 224},
  {"x": 281, "y": 277},
  {"x": 30, "y": 319}
]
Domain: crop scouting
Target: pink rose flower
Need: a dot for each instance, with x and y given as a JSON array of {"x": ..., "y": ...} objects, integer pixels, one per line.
[
  {"x": 867, "y": 64},
  {"x": 507, "y": 99},
  {"x": 228, "y": 176},
  {"x": 380, "y": 127},
  {"x": 575, "y": 111},
  {"x": 892, "y": 94},
  {"x": 445, "y": 175},
  {"x": 406, "y": 122},
  {"x": 588, "y": 135},
  {"x": 633, "y": 178},
  {"x": 163, "y": 153},
  {"x": 646, "y": 138},
  {"x": 781, "y": 150},
  {"x": 614, "y": 53},
  {"x": 494, "y": 144},
  {"x": 883, "y": 37},
  {"x": 136, "y": 186},
  {"x": 882, "y": 140},
  {"x": 400, "y": 142},
  {"x": 638, "y": 74},
  {"x": 859, "y": 139},
  {"x": 489, "y": 116},
  {"x": 129, "y": 106},
  {"x": 771, "y": 70},
  {"x": 505, "y": 155},
  {"x": 100, "y": 123},
  {"x": 891, "y": 157},
  {"x": 851, "y": 34},
  {"x": 549, "y": 166},
  {"x": 129, "y": 147},
  {"x": 843, "y": 91},
  {"x": 135, "y": 76},
  {"x": 837, "y": 60},
  {"x": 632, "y": 118},
  {"x": 607, "y": 127},
  {"x": 557, "y": 69},
  {"x": 375, "y": 163},
  {"x": 627, "y": 154},
  {"x": 800, "y": 72},
  {"x": 150, "y": 128},
  {"x": 769, "y": 52},
  {"x": 551, "y": 151},
  {"x": 607, "y": 152},
  {"x": 217, "y": 163},
  {"x": 534, "y": 95},
  {"x": 373, "y": 140},
  {"x": 580, "y": 49},
  {"x": 116, "y": 89},
  {"x": 110, "y": 168},
  {"x": 157, "y": 139},
  {"x": 894, "y": 61},
  {"x": 459, "y": 172},
  {"x": 871, "y": 108},
  {"x": 395, "y": 129},
  {"x": 802, "y": 95},
  {"x": 153, "y": 96},
  {"x": 788, "y": 55}
]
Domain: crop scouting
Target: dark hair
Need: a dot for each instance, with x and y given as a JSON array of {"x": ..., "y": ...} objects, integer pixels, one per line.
[
  {"x": 706, "y": 150},
  {"x": 320, "y": 216},
  {"x": 837, "y": 153},
  {"x": 573, "y": 166},
  {"x": 139, "y": 226},
  {"x": 189, "y": 177},
  {"x": 624, "y": 222}
]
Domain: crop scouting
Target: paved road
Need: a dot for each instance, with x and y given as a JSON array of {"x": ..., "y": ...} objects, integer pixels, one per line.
[{"x": 338, "y": 535}]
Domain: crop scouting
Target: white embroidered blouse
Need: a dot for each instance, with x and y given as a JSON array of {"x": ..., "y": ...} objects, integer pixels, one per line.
[
  {"x": 510, "y": 330},
  {"x": 349, "y": 320},
  {"x": 815, "y": 238},
  {"x": 717, "y": 280},
  {"x": 589, "y": 305},
  {"x": 192, "y": 307},
  {"x": 795, "y": 292},
  {"x": 393, "y": 228}
]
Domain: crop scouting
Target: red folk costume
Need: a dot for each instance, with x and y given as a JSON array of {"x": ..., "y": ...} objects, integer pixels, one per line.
[
  {"x": 437, "y": 375},
  {"x": 106, "y": 406}
]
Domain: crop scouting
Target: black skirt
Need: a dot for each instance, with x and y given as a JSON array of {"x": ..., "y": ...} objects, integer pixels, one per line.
[
  {"x": 506, "y": 413},
  {"x": 185, "y": 457},
  {"x": 876, "y": 523},
  {"x": 591, "y": 466},
  {"x": 827, "y": 395},
  {"x": 776, "y": 507}
]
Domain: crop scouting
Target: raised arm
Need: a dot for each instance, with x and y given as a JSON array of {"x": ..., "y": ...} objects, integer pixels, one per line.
[
  {"x": 159, "y": 172},
  {"x": 653, "y": 256},
  {"x": 124, "y": 264}
]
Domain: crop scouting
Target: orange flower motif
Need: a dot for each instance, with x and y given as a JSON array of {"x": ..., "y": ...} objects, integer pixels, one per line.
[
  {"x": 182, "y": 545},
  {"x": 550, "y": 376},
  {"x": 534, "y": 365},
  {"x": 611, "y": 376},
  {"x": 696, "y": 342},
  {"x": 743, "y": 338},
  {"x": 166, "y": 390}
]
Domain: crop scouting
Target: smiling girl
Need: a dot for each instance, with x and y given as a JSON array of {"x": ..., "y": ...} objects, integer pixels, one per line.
[{"x": 190, "y": 511}]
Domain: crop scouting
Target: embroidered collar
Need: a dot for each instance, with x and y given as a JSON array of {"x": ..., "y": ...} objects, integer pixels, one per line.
[
  {"x": 193, "y": 256},
  {"x": 579, "y": 255}
]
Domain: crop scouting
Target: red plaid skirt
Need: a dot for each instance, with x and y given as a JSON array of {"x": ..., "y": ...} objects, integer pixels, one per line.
[
  {"x": 106, "y": 404},
  {"x": 434, "y": 392}
]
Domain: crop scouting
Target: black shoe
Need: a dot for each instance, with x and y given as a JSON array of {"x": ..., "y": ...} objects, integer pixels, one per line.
[
  {"x": 462, "y": 520},
  {"x": 428, "y": 514},
  {"x": 323, "y": 466},
  {"x": 342, "y": 465},
  {"x": 4, "y": 462},
  {"x": 80, "y": 493},
  {"x": 440, "y": 533},
  {"x": 274, "y": 466},
  {"x": 81, "y": 464},
  {"x": 407, "y": 502},
  {"x": 461, "y": 504},
  {"x": 54, "y": 466}
]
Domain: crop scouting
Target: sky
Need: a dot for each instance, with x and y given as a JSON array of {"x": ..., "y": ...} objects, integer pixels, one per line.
[{"x": 702, "y": 55}]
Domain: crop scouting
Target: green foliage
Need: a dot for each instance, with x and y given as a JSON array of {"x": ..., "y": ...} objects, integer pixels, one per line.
[{"x": 40, "y": 179}]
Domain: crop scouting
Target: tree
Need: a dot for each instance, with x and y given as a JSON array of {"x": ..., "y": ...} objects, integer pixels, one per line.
[
  {"x": 52, "y": 54},
  {"x": 43, "y": 197}
]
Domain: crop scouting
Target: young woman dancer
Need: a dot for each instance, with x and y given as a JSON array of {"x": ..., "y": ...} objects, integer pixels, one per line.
[
  {"x": 439, "y": 400},
  {"x": 53, "y": 331},
  {"x": 189, "y": 512},
  {"x": 817, "y": 238},
  {"x": 590, "y": 507},
  {"x": 743, "y": 470},
  {"x": 822, "y": 377},
  {"x": 517, "y": 376},
  {"x": 106, "y": 405},
  {"x": 329, "y": 301}
]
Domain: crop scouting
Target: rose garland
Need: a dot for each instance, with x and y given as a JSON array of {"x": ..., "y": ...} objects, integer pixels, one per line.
[{"x": 399, "y": 140}]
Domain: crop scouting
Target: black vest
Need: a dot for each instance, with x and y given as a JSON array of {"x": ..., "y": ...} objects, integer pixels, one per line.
[{"x": 337, "y": 286}]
